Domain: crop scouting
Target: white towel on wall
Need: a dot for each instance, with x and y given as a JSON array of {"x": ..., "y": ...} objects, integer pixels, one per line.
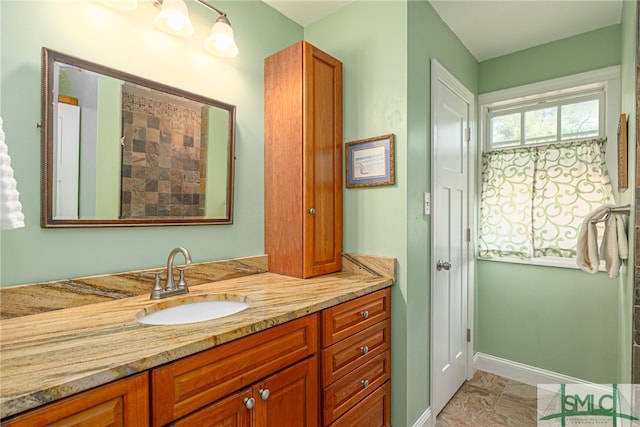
[
  {"x": 614, "y": 246},
  {"x": 587, "y": 256},
  {"x": 11, "y": 216}
]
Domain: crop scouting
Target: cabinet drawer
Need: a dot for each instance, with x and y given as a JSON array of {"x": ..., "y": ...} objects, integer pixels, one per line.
[
  {"x": 188, "y": 384},
  {"x": 344, "y": 320},
  {"x": 373, "y": 411},
  {"x": 340, "y": 396},
  {"x": 346, "y": 355}
]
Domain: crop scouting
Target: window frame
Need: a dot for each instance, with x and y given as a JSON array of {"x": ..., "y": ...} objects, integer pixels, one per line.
[{"x": 605, "y": 82}]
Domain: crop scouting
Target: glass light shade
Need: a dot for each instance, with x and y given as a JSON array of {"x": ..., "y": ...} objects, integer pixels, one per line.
[
  {"x": 121, "y": 4},
  {"x": 221, "y": 41},
  {"x": 174, "y": 18}
]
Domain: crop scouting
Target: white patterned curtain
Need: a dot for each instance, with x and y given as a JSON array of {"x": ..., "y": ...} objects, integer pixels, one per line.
[{"x": 534, "y": 199}]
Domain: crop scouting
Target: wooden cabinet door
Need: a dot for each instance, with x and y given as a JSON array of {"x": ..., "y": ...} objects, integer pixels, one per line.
[
  {"x": 121, "y": 403},
  {"x": 322, "y": 170},
  {"x": 231, "y": 411},
  {"x": 292, "y": 398}
]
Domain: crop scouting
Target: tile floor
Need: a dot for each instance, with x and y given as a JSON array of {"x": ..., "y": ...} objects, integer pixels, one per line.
[{"x": 488, "y": 400}]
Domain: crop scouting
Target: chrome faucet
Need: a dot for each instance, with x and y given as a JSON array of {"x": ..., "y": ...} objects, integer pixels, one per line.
[{"x": 170, "y": 287}]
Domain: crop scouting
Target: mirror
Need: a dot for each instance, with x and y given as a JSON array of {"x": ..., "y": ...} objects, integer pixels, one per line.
[{"x": 120, "y": 150}]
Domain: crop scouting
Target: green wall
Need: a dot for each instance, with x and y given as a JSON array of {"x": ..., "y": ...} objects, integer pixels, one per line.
[
  {"x": 584, "y": 52},
  {"x": 217, "y": 168},
  {"x": 562, "y": 320},
  {"x": 108, "y": 148},
  {"x": 129, "y": 41}
]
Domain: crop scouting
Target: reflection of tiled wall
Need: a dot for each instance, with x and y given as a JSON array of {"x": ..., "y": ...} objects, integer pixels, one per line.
[{"x": 161, "y": 171}]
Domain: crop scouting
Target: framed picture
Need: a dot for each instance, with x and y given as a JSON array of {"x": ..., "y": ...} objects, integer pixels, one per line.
[
  {"x": 370, "y": 162},
  {"x": 622, "y": 153}
]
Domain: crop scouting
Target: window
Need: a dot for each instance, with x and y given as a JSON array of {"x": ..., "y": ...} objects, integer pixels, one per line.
[
  {"x": 547, "y": 120},
  {"x": 543, "y": 171}
]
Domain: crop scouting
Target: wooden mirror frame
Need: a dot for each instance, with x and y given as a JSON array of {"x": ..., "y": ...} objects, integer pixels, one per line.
[{"x": 49, "y": 58}]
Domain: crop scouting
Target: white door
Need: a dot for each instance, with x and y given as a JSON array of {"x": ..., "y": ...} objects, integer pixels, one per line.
[
  {"x": 451, "y": 113},
  {"x": 67, "y": 161}
]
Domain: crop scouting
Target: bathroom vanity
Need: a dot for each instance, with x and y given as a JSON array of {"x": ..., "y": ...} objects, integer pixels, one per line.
[{"x": 305, "y": 352}]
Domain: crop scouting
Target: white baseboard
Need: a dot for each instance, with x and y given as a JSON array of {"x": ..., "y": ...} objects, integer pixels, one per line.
[
  {"x": 424, "y": 420},
  {"x": 520, "y": 372}
]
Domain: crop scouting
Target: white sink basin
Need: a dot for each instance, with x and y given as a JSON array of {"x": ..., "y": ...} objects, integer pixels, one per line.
[{"x": 191, "y": 310}]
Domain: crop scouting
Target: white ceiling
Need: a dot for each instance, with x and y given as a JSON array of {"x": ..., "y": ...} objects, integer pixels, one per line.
[
  {"x": 491, "y": 28},
  {"x": 305, "y": 12}
]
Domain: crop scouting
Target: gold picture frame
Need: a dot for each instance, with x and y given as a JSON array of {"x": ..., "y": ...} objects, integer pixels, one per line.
[
  {"x": 370, "y": 162},
  {"x": 623, "y": 177}
]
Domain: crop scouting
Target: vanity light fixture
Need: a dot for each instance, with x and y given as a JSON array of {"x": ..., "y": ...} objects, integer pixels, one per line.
[
  {"x": 174, "y": 19},
  {"x": 220, "y": 41}
]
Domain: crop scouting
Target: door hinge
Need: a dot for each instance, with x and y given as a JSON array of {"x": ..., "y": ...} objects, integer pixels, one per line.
[
  {"x": 468, "y": 134},
  {"x": 468, "y": 234},
  {"x": 468, "y": 335}
]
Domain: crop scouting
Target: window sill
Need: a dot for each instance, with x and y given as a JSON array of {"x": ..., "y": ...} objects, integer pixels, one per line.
[{"x": 543, "y": 262}]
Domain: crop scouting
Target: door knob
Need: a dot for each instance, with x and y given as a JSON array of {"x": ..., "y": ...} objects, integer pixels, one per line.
[
  {"x": 264, "y": 394},
  {"x": 312, "y": 211},
  {"x": 249, "y": 402},
  {"x": 443, "y": 265}
]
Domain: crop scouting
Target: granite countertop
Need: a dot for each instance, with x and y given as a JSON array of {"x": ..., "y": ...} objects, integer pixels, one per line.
[{"x": 51, "y": 355}]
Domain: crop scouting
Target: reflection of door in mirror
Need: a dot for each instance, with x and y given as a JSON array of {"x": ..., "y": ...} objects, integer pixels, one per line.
[{"x": 66, "y": 158}]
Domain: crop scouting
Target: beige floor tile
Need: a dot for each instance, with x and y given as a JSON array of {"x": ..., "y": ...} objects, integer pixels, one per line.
[{"x": 489, "y": 400}]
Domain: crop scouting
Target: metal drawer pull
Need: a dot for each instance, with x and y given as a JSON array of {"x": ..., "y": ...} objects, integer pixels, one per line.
[
  {"x": 364, "y": 314},
  {"x": 312, "y": 211},
  {"x": 249, "y": 402},
  {"x": 264, "y": 394},
  {"x": 364, "y": 349},
  {"x": 365, "y": 383}
]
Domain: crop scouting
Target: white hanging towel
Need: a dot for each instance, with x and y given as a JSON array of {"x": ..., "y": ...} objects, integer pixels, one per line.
[
  {"x": 11, "y": 216},
  {"x": 614, "y": 246}
]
